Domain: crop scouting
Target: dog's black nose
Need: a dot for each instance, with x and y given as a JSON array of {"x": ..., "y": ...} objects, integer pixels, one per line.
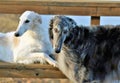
[
  {"x": 16, "y": 34},
  {"x": 57, "y": 50}
]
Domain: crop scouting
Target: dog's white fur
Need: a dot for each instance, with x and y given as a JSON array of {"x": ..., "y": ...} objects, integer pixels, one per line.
[
  {"x": 6, "y": 43},
  {"x": 32, "y": 43}
]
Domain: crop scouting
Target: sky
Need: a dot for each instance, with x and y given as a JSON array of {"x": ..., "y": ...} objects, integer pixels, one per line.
[
  {"x": 110, "y": 20},
  {"x": 85, "y": 20}
]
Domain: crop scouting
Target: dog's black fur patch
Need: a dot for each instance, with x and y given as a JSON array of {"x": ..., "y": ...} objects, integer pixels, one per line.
[
  {"x": 97, "y": 50},
  {"x": 101, "y": 48}
]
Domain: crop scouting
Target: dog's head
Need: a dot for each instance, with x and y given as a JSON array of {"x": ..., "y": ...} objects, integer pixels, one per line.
[
  {"x": 28, "y": 20},
  {"x": 60, "y": 27}
]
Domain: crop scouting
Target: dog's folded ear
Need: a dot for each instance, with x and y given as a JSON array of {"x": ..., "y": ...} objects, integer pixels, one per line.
[
  {"x": 50, "y": 33},
  {"x": 50, "y": 28},
  {"x": 39, "y": 19},
  {"x": 74, "y": 24},
  {"x": 51, "y": 23}
]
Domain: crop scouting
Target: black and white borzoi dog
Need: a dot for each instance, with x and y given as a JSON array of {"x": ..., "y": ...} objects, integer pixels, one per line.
[
  {"x": 86, "y": 54},
  {"x": 32, "y": 42}
]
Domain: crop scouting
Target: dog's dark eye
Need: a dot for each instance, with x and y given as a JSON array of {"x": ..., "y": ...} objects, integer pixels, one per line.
[
  {"x": 65, "y": 32},
  {"x": 27, "y": 21},
  {"x": 56, "y": 30}
]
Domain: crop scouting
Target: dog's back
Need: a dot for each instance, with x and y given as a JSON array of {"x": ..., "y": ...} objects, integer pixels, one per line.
[{"x": 6, "y": 44}]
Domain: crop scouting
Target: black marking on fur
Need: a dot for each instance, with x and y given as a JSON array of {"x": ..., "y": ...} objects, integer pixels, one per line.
[{"x": 97, "y": 50}]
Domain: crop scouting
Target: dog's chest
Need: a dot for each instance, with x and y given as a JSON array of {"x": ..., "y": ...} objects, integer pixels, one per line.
[{"x": 31, "y": 45}]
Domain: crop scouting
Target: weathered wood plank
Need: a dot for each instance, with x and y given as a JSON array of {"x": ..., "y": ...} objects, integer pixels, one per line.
[
  {"x": 31, "y": 66},
  {"x": 78, "y": 7},
  {"x": 33, "y": 73},
  {"x": 78, "y": 3},
  {"x": 29, "y": 71},
  {"x": 108, "y": 11},
  {"x": 72, "y": 10},
  {"x": 15, "y": 9},
  {"x": 49, "y": 10}
]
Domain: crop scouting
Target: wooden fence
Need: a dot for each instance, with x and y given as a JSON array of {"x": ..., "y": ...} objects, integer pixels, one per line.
[{"x": 93, "y": 8}]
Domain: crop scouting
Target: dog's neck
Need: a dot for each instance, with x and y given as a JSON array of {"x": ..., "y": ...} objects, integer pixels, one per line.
[
  {"x": 76, "y": 36},
  {"x": 76, "y": 41},
  {"x": 37, "y": 32}
]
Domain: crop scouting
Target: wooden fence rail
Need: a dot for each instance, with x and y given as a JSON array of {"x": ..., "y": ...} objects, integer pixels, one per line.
[
  {"x": 29, "y": 71},
  {"x": 93, "y": 8}
]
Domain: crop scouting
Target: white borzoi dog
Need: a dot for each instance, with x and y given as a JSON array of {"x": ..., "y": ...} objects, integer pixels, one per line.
[
  {"x": 6, "y": 43},
  {"x": 32, "y": 43}
]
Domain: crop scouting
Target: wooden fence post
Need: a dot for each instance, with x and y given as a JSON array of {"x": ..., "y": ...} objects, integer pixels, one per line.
[{"x": 95, "y": 20}]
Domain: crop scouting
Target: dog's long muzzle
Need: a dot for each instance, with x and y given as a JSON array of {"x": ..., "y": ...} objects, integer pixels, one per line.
[
  {"x": 58, "y": 48},
  {"x": 16, "y": 34},
  {"x": 58, "y": 45}
]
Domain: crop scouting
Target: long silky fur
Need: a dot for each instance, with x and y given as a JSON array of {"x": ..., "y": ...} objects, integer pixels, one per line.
[{"x": 90, "y": 53}]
